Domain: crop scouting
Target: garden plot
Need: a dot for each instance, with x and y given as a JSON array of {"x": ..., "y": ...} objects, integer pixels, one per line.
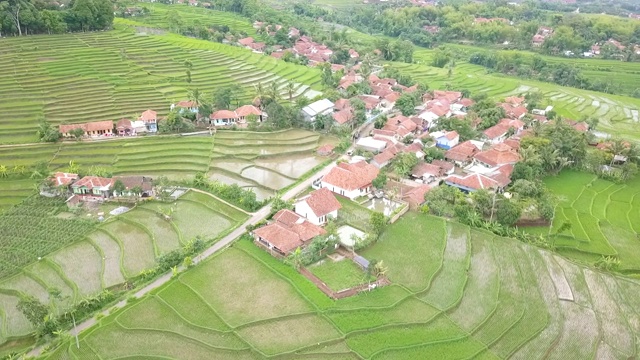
[
  {"x": 339, "y": 275},
  {"x": 53, "y": 279}
]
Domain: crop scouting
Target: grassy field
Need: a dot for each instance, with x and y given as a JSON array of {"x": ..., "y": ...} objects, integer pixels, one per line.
[
  {"x": 604, "y": 217},
  {"x": 456, "y": 293},
  {"x": 88, "y": 77},
  {"x": 117, "y": 250},
  {"x": 340, "y": 275}
]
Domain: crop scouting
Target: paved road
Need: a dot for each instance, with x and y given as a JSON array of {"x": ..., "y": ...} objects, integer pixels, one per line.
[{"x": 223, "y": 243}]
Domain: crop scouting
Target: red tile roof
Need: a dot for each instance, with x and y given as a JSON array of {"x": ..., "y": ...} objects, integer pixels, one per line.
[
  {"x": 512, "y": 123},
  {"x": 88, "y": 127},
  {"x": 247, "y": 110},
  {"x": 93, "y": 181},
  {"x": 149, "y": 116},
  {"x": 289, "y": 231},
  {"x": 392, "y": 97},
  {"x": 449, "y": 95},
  {"x": 444, "y": 165},
  {"x": 423, "y": 169},
  {"x": 186, "y": 104},
  {"x": 246, "y": 41},
  {"x": 325, "y": 150},
  {"x": 451, "y": 135},
  {"x": 341, "y": 104},
  {"x": 224, "y": 114},
  {"x": 473, "y": 181},
  {"x": 496, "y": 131},
  {"x": 343, "y": 116},
  {"x": 415, "y": 196},
  {"x": 62, "y": 178},
  {"x": 321, "y": 202},
  {"x": 123, "y": 124},
  {"x": 384, "y": 157},
  {"x": 462, "y": 152},
  {"x": 466, "y": 102},
  {"x": 514, "y": 100},
  {"x": 500, "y": 154},
  {"x": 351, "y": 176}
]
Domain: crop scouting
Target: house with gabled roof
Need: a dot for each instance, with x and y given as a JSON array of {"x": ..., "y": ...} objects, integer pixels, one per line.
[
  {"x": 286, "y": 232},
  {"x": 91, "y": 129},
  {"x": 448, "y": 140},
  {"x": 93, "y": 186},
  {"x": 185, "y": 105},
  {"x": 223, "y": 118},
  {"x": 350, "y": 180},
  {"x": 462, "y": 154},
  {"x": 245, "y": 110},
  {"x": 150, "y": 119},
  {"x": 426, "y": 172},
  {"x": 472, "y": 182},
  {"x": 496, "y": 134},
  {"x": 500, "y": 154},
  {"x": 318, "y": 207}
]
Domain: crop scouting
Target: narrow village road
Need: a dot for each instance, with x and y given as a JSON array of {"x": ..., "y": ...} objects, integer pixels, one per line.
[{"x": 218, "y": 246}]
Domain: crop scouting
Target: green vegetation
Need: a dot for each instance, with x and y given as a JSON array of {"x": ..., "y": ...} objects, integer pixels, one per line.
[
  {"x": 457, "y": 292},
  {"x": 603, "y": 218},
  {"x": 340, "y": 275},
  {"x": 79, "y": 263}
]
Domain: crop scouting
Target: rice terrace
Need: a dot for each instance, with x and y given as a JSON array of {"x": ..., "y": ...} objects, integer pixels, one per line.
[{"x": 259, "y": 179}]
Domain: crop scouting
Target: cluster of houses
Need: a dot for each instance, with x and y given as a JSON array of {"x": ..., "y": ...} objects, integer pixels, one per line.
[
  {"x": 541, "y": 35},
  {"x": 147, "y": 122},
  {"x": 239, "y": 116},
  {"x": 303, "y": 46},
  {"x": 95, "y": 188}
]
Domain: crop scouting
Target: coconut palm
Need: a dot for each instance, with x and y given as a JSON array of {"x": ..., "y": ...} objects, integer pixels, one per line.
[
  {"x": 73, "y": 168},
  {"x": 291, "y": 86},
  {"x": 195, "y": 96},
  {"x": 530, "y": 156}
]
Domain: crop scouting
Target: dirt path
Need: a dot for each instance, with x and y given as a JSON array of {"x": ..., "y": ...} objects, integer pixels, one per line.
[{"x": 218, "y": 246}]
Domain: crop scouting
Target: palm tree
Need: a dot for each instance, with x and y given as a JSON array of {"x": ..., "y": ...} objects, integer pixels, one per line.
[
  {"x": 273, "y": 92},
  {"x": 73, "y": 167},
  {"x": 4, "y": 172},
  {"x": 295, "y": 258},
  {"x": 259, "y": 95},
  {"x": 529, "y": 155},
  {"x": 291, "y": 86},
  {"x": 195, "y": 96}
]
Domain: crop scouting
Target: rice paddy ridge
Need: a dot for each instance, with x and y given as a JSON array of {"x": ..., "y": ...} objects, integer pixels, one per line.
[
  {"x": 468, "y": 302},
  {"x": 115, "y": 74}
]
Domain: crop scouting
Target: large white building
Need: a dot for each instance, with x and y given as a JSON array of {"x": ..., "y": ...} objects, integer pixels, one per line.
[{"x": 320, "y": 107}]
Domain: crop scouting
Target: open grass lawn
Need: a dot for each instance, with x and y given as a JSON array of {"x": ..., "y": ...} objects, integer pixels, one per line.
[
  {"x": 339, "y": 275},
  {"x": 603, "y": 218},
  {"x": 245, "y": 303}
]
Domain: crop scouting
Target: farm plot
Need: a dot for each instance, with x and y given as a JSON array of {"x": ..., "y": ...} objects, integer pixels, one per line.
[
  {"x": 512, "y": 304},
  {"x": 264, "y": 162},
  {"x": 91, "y": 79},
  {"x": 602, "y": 216}
]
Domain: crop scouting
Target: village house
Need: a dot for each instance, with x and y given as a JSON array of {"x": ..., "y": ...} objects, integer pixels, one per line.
[
  {"x": 462, "y": 154},
  {"x": 150, "y": 119},
  {"x": 184, "y": 106},
  {"x": 124, "y": 128},
  {"x": 320, "y": 107},
  {"x": 246, "y": 110},
  {"x": 141, "y": 184},
  {"x": 384, "y": 158},
  {"x": 426, "y": 173},
  {"x": 325, "y": 150},
  {"x": 223, "y": 118},
  {"x": 91, "y": 129},
  {"x": 448, "y": 140},
  {"x": 286, "y": 232},
  {"x": 318, "y": 207},
  {"x": 350, "y": 180},
  {"x": 496, "y": 134},
  {"x": 58, "y": 184},
  {"x": 93, "y": 186},
  {"x": 500, "y": 154},
  {"x": 371, "y": 144},
  {"x": 446, "y": 166},
  {"x": 343, "y": 117},
  {"x": 472, "y": 182},
  {"x": 415, "y": 196}
]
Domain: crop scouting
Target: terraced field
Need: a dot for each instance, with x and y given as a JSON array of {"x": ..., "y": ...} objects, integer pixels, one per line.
[
  {"x": 119, "y": 249},
  {"x": 121, "y": 73},
  {"x": 605, "y": 218},
  {"x": 265, "y": 162},
  {"x": 619, "y": 115},
  {"x": 456, "y": 293}
]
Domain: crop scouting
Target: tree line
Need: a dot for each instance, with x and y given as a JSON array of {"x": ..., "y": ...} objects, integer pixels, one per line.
[{"x": 27, "y": 17}]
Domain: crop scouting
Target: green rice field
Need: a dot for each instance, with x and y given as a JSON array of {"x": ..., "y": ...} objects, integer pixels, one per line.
[
  {"x": 88, "y": 77},
  {"x": 604, "y": 217},
  {"x": 265, "y": 162},
  {"x": 456, "y": 293},
  {"x": 120, "y": 248}
]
